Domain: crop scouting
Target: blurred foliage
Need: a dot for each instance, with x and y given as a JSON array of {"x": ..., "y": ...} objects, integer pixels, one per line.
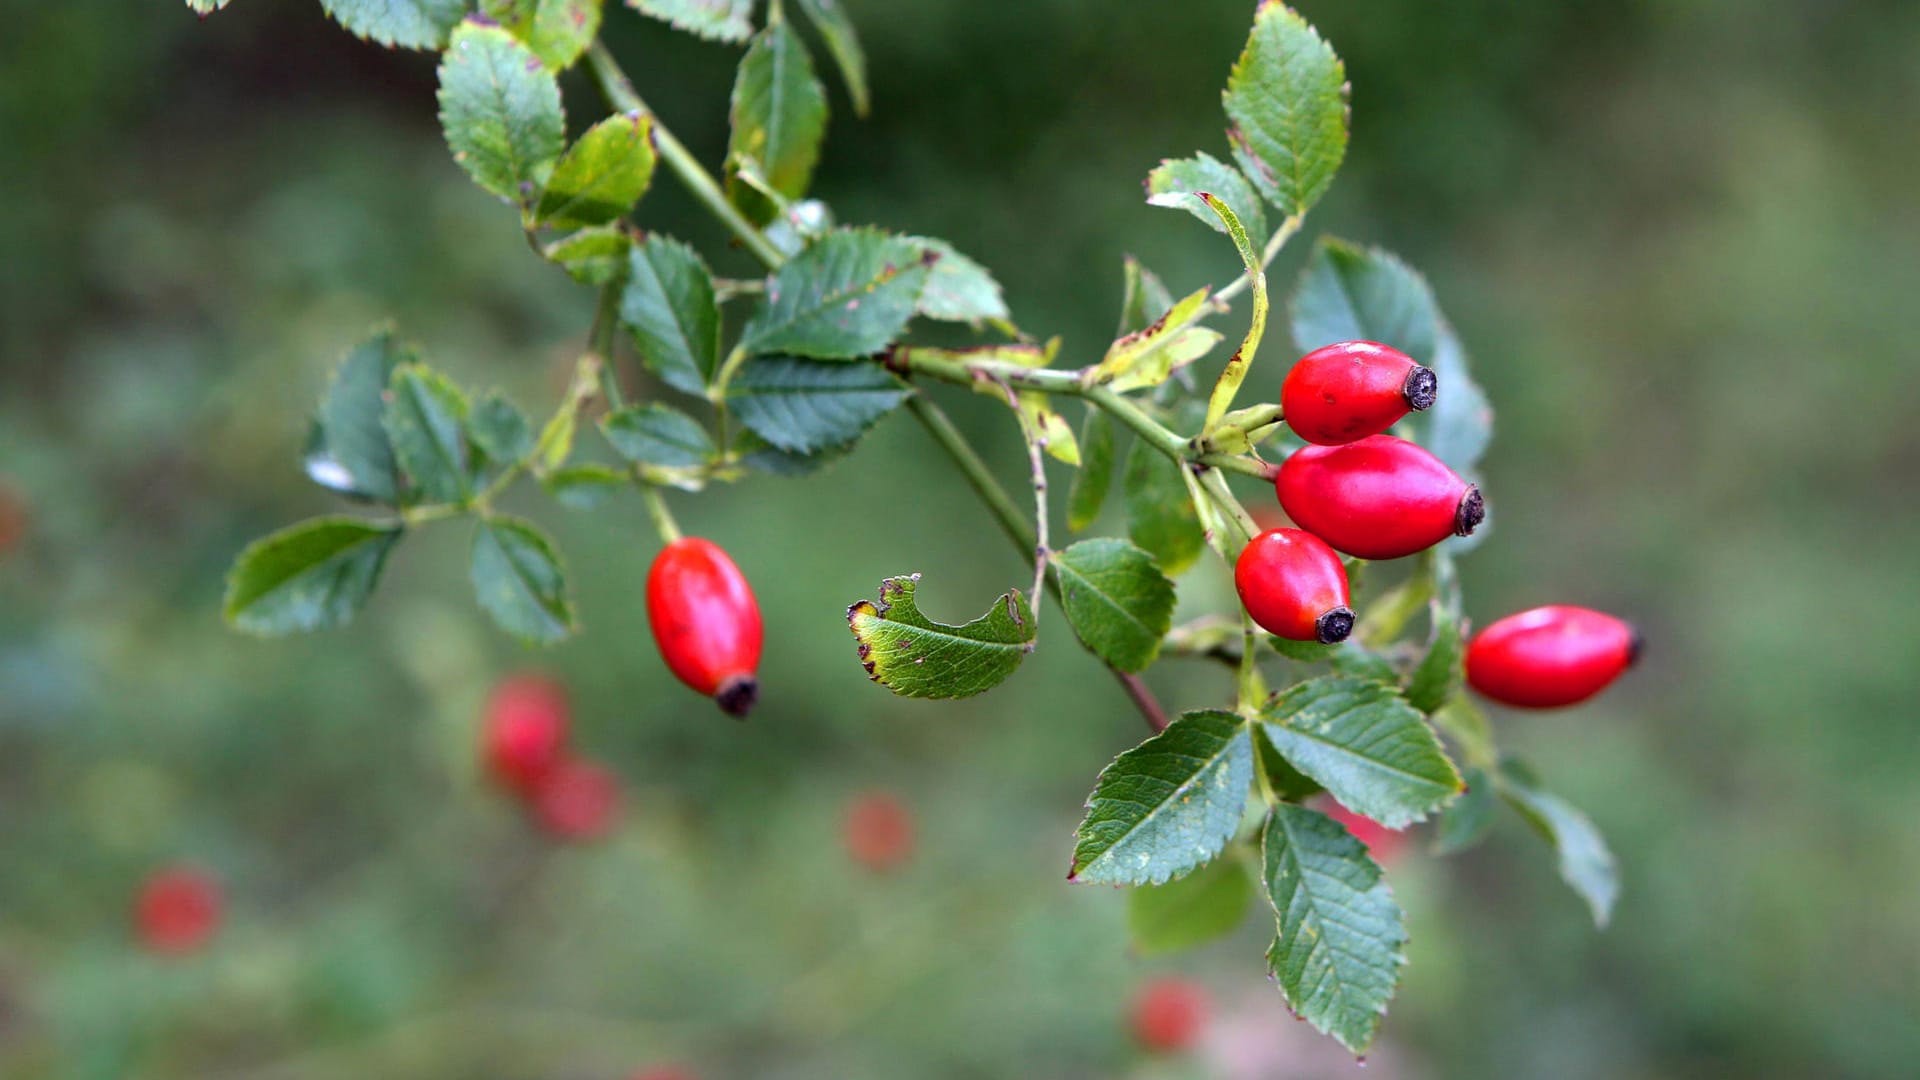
[{"x": 1679, "y": 239}]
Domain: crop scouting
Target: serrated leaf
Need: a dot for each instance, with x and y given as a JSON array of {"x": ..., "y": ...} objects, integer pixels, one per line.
[
  {"x": 779, "y": 117},
  {"x": 424, "y": 418},
  {"x": 1361, "y": 741},
  {"x": 592, "y": 256},
  {"x": 715, "y": 20},
  {"x": 1286, "y": 102},
  {"x": 1118, "y": 601},
  {"x": 757, "y": 453},
  {"x": 913, "y": 656},
  {"x": 1437, "y": 678},
  {"x": 311, "y": 575},
  {"x": 1204, "y": 172},
  {"x": 500, "y": 430},
  {"x": 1355, "y": 659},
  {"x": 1165, "y": 344},
  {"x": 803, "y": 223},
  {"x": 668, "y": 306},
  {"x": 1349, "y": 293},
  {"x": 1160, "y": 513},
  {"x": 1144, "y": 297},
  {"x": 1167, "y": 805},
  {"x": 845, "y": 297},
  {"x": 1337, "y": 953},
  {"x": 806, "y": 405},
  {"x": 409, "y": 24},
  {"x": 500, "y": 110},
  {"x": 1201, "y": 907},
  {"x": 1467, "y": 819},
  {"x": 1585, "y": 862},
  {"x": 659, "y": 435},
  {"x": 836, "y": 29},
  {"x": 557, "y": 31},
  {"x": 351, "y": 431},
  {"x": 1287, "y": 782},
  {"x": 1095, "y": 478},
  {"x": 518, "y": 580},
  {"x": 555, "y": 443},
  {"x": 602, "y": 175},
  {"x": 584, "y": 487},
  {"x": 958, "y": 289}
]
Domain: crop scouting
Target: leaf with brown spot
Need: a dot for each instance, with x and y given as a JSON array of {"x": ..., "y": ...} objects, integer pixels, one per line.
[{"x": 913, "y": 656}]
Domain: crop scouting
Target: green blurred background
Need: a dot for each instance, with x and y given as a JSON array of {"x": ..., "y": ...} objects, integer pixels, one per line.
[{"x": 1680, "y": 240}]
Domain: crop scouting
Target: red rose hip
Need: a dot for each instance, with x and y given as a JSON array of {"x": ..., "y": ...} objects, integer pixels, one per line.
[
  {"x": 1295, "y": 586},
  {"x": 706, "y": 622},
  {"x": 1550, "y": 656},
  {"x": 577, "y": 800},
  {"x": 1169, "y": 1015},
  {"x": 525, "y": 733},
  {"x": 178, "y": 909},
  {"x": 1378, "y": 498},
  {"x": 1353, "y": 389}
]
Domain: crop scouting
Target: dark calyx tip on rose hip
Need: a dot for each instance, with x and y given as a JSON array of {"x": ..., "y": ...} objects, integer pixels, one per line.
[
  {"x": 737, "y": 695},
  {"x": 1421, "y": 389},
  {"x": 1636, "y": 644},
  {"x": 1471, "y": 512},
  {"x": 1334, "y": 626}
]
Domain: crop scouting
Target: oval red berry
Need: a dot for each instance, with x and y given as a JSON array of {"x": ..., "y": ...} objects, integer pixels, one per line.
[
  {"x": 525, "y": 730},
  {"x": 1295, "y": 586},
  {"x": 1550, "y": 656},
  {"x": 1378, "y": 498},
  {"x": 1350, "y": 390},
  {"x": 706, "y": 622}
]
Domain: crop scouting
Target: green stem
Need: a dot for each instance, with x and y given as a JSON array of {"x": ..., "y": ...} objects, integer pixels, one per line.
[
  {"x": 663, "y": 522},
  {"x": 620, "y": 94}
]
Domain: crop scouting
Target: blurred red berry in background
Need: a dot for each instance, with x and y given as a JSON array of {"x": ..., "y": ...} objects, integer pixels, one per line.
[
  {"x": 577, "y": 800},
  {"x": 1382, "y": 843},
  {"x": 524, "y": 735},
  {"x": 13, "y": 518},
  {"x": 1170, "y": 1014},
  {"x": 178, "y": 909},
  {"x": 878, "y": 830}
]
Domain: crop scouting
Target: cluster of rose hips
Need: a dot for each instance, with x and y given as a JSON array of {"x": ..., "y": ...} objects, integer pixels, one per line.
[
  {"x": 525, "y": 743},
  {"x": 1357, "y": 491}
]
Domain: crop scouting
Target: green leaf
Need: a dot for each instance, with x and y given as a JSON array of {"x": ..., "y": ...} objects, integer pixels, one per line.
[
  {"x": 1437, "y": 678},
  {"x": 1046, "y": 427},
  {"x": 1167, "y": 805},
  {"x": 592, "y": 256},
  {"x": 557, "y": 31},
  {"x": 1467, "y": 819},
  {"x": 1201, "y": 907},
  {"x": 207, "y": 7},
  {"x": 601, "y": 176},
  {"x": 1146, "y": 357},
  {"x": 1337, "y": 955},
  {"x": 499, "y": 430},
  {"x": 500, "y": 109},
  {"x": 1362, "y": 741},
  {"x": 1144, "y": 298},
  {"x": 805, "y": 405},
  {"x": 1095, "y": 478},
  {"x": 1585, "y": 862},
  {"x": 1287, "y": 782},
  {"x": 669, "y": 307},
  {"x": 656, "y": 434},
  {"x": 584, "y": 487},
  {"x": 518, "y": 580},
  {"x": 408, "y": 24},
  {"x": 424, "y": 419},
  {"x": 837, "y": 31},
  {"x": 914, "y": 656},
  {"x": 314, "y": 574},
  {"x": 1469, "y": 728},
  {"x": 756, "y": 453},
  {"x": 1286, "y": 100},
  {"x": 779, "y": 117},
  {"x": 352, "y": 435},
  {"x": 845, "y": 297},
  {"x": 958, "y": 289},
  {"x": 1355, "y": 659},
  {"x": 715, "y": 20},
  {"x": 1204, "y": 172},
  {"x": 1118, "y": 601},
  {"x": 1160, "y": 513},
  {"x": 1349, "y": 293},
  {"x": 1235, "y": 372}
]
